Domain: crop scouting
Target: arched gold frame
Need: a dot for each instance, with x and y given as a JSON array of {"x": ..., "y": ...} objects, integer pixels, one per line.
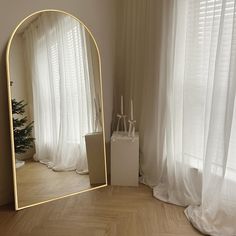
[{"x": 10, "y": 110}]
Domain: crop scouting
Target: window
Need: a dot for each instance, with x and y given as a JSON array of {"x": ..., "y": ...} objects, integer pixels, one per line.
[{"x": 210, "y": 52}]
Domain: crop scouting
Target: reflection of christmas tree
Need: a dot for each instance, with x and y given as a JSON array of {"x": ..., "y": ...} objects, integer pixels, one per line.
[{"x": 22, "y": 133}]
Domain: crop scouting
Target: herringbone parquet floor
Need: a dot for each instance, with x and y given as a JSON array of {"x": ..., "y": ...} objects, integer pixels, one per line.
[{"x": 111, "y": 211}]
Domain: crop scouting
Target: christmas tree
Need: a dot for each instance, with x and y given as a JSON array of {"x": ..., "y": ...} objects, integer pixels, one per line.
[{"x": 22, "y": 133}]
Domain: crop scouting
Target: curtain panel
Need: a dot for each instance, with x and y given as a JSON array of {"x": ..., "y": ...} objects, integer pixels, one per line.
[{"x": 179, "y": 67}]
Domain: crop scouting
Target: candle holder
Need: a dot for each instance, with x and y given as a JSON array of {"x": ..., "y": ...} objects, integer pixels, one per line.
[
  {"x": 131, "y": 132},
  {"x": 121, "y": 117}
]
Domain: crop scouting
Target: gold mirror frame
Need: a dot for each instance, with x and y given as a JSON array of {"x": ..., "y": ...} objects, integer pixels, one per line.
[{"x": 11, "y": 117}]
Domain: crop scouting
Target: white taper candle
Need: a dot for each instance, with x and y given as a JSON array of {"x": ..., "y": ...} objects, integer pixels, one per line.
[
  {"x": 132, "y": 110},
  {"x": 122, "y": 105}
]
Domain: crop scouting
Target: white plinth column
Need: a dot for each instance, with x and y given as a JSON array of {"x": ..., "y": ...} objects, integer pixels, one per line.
[{"x": 124, "y": 159}]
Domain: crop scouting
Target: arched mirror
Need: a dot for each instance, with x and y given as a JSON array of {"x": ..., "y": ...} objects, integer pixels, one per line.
[{"x": 56, "y": 109}]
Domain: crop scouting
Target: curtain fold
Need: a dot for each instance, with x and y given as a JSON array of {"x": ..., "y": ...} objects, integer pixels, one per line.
[
  {"x": 63, "y": 90},
  {"x": 185, "y": 104},
  {"x": 179, "y": 180}
]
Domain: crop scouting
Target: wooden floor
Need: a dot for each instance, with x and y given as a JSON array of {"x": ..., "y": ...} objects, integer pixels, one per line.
[
  {"x": 37, "y": 183},
  {"x": 110, "y": 211}
]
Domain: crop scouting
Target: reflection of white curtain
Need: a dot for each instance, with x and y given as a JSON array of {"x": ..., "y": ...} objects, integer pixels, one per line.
[
  {"x": 187, "y": 110},
  {"x": 63, "y": 94}
]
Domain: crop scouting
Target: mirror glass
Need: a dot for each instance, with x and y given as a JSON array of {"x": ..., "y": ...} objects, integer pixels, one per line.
[{"x": 55, "y": 109}]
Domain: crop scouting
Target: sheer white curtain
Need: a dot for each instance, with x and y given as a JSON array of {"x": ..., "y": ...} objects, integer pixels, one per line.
[
  {"x": 63, "y": 93},
  {"x": 182, "y": 76},
  {"x": 199, "y": 153}
]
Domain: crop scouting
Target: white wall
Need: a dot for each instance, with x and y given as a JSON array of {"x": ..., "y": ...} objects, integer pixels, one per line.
[
  {"x": 19, "y": 90},
  {"x": 137, "y": 70},
  {"x": 99, "y": 16},
  {"x": 18, "y": 73}
]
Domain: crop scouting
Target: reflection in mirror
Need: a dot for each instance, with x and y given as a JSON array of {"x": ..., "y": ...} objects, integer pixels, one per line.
[{"x": 54, "y": 76}]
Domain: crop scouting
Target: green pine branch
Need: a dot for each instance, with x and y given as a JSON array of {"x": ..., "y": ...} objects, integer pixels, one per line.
[
  {"x": 18, "y": 107},
  {"x": 22, "y": 133},
  {"x": 17, "y": 123}
]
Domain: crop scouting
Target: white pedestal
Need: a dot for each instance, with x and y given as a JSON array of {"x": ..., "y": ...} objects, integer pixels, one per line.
[
  {"x": 95, "y": 157},
  {"x": 124, "y": 159}
]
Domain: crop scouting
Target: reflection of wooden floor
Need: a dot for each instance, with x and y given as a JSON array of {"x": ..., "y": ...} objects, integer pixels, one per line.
[{"x": 37, "y": 183}]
